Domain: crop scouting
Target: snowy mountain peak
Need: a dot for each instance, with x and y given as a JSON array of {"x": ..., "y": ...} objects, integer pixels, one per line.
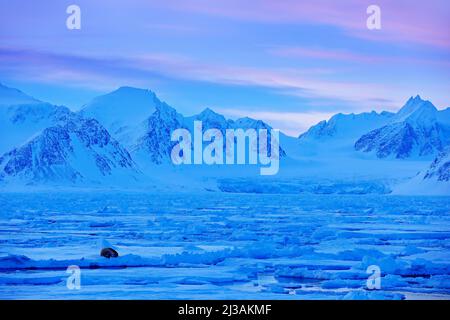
[
  {"x": 124, "y": 107},
  {"x": 22, "y": 116},
  {"x": 247, "y": 123},
  {"x": 210, "y": 120},
  {"x": 209, "y": 114},
  {"x": 130, "y": 90},
  {"x": 413, "y": 101},
  {"x": 416, "y": 130},
  {"x": 415, "y": 107},
  {"x": 126, "y": 92},
  {"x": 208, "y": 111}
]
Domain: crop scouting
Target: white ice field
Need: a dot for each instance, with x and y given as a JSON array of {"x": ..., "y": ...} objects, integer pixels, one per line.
[{"x": 215, "y": 245}]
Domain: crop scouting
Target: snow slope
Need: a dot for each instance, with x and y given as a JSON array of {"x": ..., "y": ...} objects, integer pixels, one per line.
[
  {"x": 11, "y": 96},
  {"x": 435, "y": 180},
  {"x": 122, "y": 110},
  {"x": 338, "y": 134},
  {"x": 77, "y": 151},
  {"x": 22, "y": 116}
]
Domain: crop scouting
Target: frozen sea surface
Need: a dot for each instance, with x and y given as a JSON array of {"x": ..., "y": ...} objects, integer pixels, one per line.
[{"x": 224, "y": 246}]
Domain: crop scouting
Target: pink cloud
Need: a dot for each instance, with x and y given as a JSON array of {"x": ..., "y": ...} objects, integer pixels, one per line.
[
  {"x": 303, "y": 52},
  {"x": 290, "y": 81},
  {"x": 109, "y": 71},
  {"x": 413, "y": 21},
  {"x": 342, "y": 55}
]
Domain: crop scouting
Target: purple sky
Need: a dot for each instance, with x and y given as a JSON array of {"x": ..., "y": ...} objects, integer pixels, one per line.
[{"x": 291, "y": 63}]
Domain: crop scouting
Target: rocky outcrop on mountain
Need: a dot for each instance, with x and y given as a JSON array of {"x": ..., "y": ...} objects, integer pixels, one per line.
[
  {"x": 346, "y": 126},
  {"x": 155, "y": 144},
  {"x": 434, "y": 180},
  {"x": 78, "y": 150},
  {"x": 439, "y": 169}
]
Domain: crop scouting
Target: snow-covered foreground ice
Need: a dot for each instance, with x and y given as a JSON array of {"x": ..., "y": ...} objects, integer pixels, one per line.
[{"x": 224, "y": 246}]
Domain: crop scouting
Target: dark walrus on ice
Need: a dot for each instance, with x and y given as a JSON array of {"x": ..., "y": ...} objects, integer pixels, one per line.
[{"x": 109, "y": 253}]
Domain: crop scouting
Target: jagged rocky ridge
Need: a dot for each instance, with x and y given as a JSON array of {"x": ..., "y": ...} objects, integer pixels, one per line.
[
  {"x": 418, "y": 129},
  {"x": 77, "y": 149},
  {"x": 74, "y": 147}
]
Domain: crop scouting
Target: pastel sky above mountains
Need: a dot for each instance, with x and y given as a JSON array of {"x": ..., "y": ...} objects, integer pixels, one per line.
[{"x": 290, "y": 63}]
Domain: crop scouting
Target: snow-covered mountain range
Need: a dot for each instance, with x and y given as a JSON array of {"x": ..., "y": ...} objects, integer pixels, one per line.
[
  {"x": 418, "y": 129},
  {"x": 75, "y": 150},
  {"x": 124, "y": 136},
  {"x": 143, "y": 123}
]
